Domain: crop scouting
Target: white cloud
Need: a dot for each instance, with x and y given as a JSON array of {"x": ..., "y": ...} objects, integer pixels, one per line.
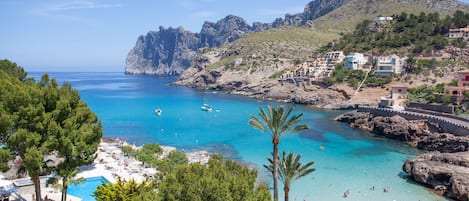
[
  {"x": 204, "y": 14},
  {"x": 53, "y": 9},
  {"x": 187, "y": 4},
  {"x": 280, "y": 11}
]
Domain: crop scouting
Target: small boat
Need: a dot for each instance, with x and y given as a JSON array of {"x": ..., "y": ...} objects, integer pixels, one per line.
[
  {"x": 158, "y": 111},
  {"x": 206, "y": 107}
]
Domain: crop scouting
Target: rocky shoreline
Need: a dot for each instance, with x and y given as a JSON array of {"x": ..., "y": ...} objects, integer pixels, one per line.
[
  {"x": 445, "y": 169},
  {"x": 305, "y": 93}
]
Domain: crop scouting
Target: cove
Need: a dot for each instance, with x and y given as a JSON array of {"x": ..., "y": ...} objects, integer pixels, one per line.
[{"x": 351, "y": 159}]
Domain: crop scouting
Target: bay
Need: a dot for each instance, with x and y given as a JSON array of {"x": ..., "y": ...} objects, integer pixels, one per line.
[{"x": 351, "y": 159}]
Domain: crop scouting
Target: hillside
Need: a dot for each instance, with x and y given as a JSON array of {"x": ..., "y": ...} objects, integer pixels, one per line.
[
  {"x": 346, "y": 17},
  {"x": 252, "y": 65}
]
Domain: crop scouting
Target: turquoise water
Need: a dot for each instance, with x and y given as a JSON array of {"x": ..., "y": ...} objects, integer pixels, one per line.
[
  {"x": 351, "y": 160},
  {"x": 85, "y": 191}
]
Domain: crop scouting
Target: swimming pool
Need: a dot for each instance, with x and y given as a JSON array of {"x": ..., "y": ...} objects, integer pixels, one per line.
[{"x": 85, "y": 190}]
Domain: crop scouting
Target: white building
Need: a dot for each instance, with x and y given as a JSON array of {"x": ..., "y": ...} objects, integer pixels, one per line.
[
  {"x": 388, "y": 65},
  {"x": 396, "y": 99},
  {"x": 355, "y": 61},
  {"x": 334, "y": 57},
  {"x": 383, "y": 19},
  {"x": 459, "y": 33}
]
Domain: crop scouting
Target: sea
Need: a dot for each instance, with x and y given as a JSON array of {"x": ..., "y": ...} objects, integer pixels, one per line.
[{"x": 344, "y": 158}]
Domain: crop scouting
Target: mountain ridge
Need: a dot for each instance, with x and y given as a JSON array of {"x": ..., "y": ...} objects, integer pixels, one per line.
[
  {"x": 170, "y": 51},
  {"x": 164, "y": 52}
]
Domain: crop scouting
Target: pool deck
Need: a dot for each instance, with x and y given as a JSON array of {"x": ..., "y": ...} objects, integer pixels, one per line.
[
  {"x": 110, "y": 163},
  {"x": 26, "y": 193}
]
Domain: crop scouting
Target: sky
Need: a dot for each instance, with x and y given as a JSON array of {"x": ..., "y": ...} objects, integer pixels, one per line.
[{"x": 96, "y": 35}]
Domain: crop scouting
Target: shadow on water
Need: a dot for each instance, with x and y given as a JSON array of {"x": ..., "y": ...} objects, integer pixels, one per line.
[
  {"x": 321, "y": 126},
  {"x": 385, "y": 146},
  {"x": 313, "y": 134}
]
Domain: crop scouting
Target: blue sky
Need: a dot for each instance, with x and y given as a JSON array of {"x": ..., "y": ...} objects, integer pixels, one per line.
[{"x": 96, "y": 35}]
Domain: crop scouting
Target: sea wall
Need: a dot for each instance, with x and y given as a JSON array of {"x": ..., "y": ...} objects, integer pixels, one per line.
[
  {"x": 455, "y": 127},
  {"x": 432, "y": 107}
]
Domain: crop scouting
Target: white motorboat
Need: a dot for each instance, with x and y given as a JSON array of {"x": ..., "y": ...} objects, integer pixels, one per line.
[
  {"x": 206, "y": 107},
  {"x": 158, "y": 111}
]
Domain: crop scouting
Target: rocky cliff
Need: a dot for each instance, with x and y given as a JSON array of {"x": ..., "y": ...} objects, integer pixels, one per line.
[
  {"x": 446, "y": 173},
  {"x": 418, "y": 133},
  {"x": 165, "y": 52},
  {"x": 170, "y": 51},
  {"x": 445, "y": 169}
]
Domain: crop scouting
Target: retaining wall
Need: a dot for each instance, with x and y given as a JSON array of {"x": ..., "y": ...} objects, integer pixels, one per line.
[
  {"x": 437, "y": 108},
  {"x": 455, "y": 128}
]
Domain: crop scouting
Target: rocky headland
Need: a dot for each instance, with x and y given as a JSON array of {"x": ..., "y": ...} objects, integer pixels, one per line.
[
  {"x": 445, "y": 169},
  {"x": 244, "y": 75}
]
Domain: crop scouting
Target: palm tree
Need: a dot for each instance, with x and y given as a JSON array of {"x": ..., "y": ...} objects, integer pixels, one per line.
[
  {"x": 290, "y": 169},
  {"x": 67, "y": 174},
  {"x": 276, "y": 121}
]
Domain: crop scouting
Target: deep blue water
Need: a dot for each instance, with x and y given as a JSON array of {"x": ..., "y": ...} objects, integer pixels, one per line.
[{"x": 352, "y": 159}]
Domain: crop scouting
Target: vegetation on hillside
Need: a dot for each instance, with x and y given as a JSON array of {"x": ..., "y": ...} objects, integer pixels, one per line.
[
  {"x": 269, "y": 49},
  {"x": 354, "y": 78},
  {"x": 420, "y": 33},
  {"x": 345, "y": 18},
  {"x": 428, "y": 94}
]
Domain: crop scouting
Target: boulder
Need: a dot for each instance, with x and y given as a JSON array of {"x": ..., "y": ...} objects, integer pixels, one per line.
[
  {"x": 447, "y": 173},
  {"x": 444, "y": 142}
]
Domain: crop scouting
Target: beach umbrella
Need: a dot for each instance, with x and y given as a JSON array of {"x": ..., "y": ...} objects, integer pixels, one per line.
[{"x": 7, "y": 187}]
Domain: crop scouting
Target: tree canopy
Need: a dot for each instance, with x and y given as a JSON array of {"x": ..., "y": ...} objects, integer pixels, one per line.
[
  {"x": 42, "y": 118},
  {"x": 220, "y": 180}
]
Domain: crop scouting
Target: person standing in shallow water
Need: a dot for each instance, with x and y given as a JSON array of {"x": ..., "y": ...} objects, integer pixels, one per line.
[
  {"x": 386, "y": 189},
  {"x": 346, "y": 193}
]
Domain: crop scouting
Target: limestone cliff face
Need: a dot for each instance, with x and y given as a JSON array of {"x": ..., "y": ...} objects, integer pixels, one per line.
[
  {"x": 315, "y": 9},
  {"x": 166, "y": 52},
  {"x": 170, "y": 51},
  {"x": 224, "y": 31}
]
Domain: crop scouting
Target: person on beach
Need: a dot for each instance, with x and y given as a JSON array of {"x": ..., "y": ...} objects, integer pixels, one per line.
[
  {"x": 346, "y": 193},
  {"x": 386, "y": 189}
]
